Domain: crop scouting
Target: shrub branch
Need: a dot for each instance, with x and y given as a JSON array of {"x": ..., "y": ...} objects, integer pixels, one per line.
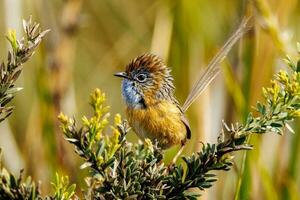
[{"x": 21, "y": 51}]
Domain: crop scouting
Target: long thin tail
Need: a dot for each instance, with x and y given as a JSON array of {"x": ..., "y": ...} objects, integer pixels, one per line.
[{"x": 213, "y": 68}]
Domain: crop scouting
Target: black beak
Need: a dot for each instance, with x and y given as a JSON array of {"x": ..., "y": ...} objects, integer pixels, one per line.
[{"x": 121, "y": 74}]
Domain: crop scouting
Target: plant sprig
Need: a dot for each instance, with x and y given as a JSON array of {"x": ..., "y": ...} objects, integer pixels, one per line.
[
  {"x": 12, "y": 187},
  {"x": 16, "y": 188},
  {"x": 21, "y": 51},
  {"x": 62, "y": 188}
]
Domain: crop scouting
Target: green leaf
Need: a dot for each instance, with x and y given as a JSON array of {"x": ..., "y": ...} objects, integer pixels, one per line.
[
  {"x": 289, "y": 128},
  {"x": 276, "y": 124},
  {"x": 261, "y": 108},
  {"x": 71, "y": 140},
  {"x": 14, "y": 90},
  {"x": 249, "y": 118},
  {"x": 298, "y": 66},
  {"x": 290, "y": 63},
  {"x": 71, "y": 191},
  {"x": 11, "y": 37},
  {"x": 283, "y": 115},
  {"x": 85, "y": 165}
]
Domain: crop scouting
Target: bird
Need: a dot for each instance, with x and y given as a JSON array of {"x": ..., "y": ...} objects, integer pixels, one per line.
[{"x": 152, "y": 110}]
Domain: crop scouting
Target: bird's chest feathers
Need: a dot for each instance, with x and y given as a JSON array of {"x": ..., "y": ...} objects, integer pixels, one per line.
[
  {"x": 161, "y": 121},
  {"x": 131, "y": 95}
]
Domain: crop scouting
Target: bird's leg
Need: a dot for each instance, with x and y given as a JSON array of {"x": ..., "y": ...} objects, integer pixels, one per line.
[{"x": 178, "y": 154}]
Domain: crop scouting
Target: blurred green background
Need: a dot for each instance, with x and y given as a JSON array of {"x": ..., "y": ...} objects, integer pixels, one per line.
[{"x": 91, "y": 40}]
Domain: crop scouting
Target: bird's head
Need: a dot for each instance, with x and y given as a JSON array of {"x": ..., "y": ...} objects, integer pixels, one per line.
[{"x": 146, "y": 80}]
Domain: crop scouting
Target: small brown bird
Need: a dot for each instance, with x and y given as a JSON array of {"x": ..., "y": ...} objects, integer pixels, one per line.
[{"x": 152, "y": 110}]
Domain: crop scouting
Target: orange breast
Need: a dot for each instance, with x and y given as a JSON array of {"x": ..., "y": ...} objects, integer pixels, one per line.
[{"x": 161, "y": 121}]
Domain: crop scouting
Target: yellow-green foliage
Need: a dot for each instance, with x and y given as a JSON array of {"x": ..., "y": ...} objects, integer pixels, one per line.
[
  {"x": 63, "y": 189},
  {"x": 101, "y": 145},
  {"x": 12, "y": 38}
]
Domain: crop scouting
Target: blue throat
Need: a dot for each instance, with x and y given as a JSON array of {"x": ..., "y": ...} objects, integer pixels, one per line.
[{"x": 132, "y": 97}]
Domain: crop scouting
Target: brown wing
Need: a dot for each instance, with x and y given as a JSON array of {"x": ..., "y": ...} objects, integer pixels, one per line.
[{"x": 182, "y": 117}]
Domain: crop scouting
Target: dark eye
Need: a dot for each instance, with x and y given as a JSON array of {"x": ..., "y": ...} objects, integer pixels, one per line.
[{"x": 141, "y": 77}]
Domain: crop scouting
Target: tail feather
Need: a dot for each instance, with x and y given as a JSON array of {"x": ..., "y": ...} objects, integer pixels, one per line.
[{"x": 213, "y": 68}]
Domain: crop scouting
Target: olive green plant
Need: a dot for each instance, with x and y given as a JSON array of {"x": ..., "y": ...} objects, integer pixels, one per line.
[
  {"x": 21, "y": 51},
  {"x": 16, "y": 188},
  {"x": 63, "y": 190},
  {"x": 12, "y": 187}
]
